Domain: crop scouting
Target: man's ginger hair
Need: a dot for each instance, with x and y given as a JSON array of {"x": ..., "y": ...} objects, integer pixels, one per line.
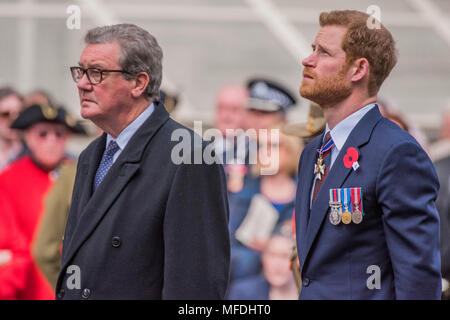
[{"x": 375, "y": 44}]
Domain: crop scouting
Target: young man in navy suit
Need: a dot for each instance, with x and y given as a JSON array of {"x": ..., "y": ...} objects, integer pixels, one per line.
[{"x": 366, "y": 221}]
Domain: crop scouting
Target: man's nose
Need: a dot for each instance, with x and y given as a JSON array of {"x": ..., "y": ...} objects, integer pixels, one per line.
[
  {"x": 84, "y": 83},
  {"x": 309, "y": 61}
]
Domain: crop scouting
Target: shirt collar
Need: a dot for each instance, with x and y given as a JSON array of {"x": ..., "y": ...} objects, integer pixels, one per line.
[
  {"x": 126, "y": 134},
  {"x": 342, "y": 130}
]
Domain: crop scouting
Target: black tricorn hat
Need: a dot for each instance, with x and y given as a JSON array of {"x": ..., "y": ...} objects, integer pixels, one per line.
[{"x": 46, "y": 113}]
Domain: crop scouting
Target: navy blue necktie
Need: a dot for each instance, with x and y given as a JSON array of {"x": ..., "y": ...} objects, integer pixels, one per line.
[{"x": 106, "y": 163}]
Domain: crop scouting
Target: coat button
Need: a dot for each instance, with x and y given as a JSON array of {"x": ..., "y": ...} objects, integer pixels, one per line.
[
  {"x": 60, "y": 294},
  {"x": 86, "y": 293},
  {"x": 116, "y": 242},
  {"x": 306, "y": 282}
]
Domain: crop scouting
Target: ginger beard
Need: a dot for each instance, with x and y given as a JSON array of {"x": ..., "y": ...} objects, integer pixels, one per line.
[{"x": 328, "y": 90}]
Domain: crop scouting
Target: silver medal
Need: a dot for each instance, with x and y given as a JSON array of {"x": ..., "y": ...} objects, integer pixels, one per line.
[
  {"x": 335, "y": 216},
  {"x": 357, "y": 216}
]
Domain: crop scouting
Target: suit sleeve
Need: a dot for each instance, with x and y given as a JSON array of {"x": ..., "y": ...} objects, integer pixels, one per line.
[
  {"x": 407, "y": 187},
  {"x": 196, "y": 239}
]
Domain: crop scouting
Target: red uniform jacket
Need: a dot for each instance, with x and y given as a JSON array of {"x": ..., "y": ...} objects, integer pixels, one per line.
[{"x": 23, "y": 188}]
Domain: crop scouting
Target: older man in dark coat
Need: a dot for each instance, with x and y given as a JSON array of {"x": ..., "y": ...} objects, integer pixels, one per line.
[{"x": 142, "y": 225}]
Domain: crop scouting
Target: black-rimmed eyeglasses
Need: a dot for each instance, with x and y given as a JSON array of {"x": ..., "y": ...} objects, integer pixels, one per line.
[{"x": 94, "y": 75}]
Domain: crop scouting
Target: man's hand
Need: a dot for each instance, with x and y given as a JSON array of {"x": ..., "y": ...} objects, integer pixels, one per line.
[{"x": 5, "y": 257}]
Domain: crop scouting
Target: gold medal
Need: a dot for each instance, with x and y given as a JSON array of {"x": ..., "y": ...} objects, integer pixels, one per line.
[
  {"x": 346, "y": 216},
  {"x": 319, "y": 167}
]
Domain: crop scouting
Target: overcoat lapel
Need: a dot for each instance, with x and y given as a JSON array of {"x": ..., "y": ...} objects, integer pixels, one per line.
[
  {"x": 359, "y": 136},
  {"x": 93, "y": 208}
]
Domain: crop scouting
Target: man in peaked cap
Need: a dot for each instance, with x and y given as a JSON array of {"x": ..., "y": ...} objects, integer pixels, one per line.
[
  {"x": 268, "y": 103},
  {"x": 25, "y": 183}
]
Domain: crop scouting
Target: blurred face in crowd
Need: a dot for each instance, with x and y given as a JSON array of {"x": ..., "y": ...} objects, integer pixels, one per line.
[
  {"x": 257, "y": 119},
  {"x": 10, "y": 107},
  {"x": 110, "y": 99},
  {"x": 276, "y": 263},
  {"x": 445, "y": 130},
  {"x": 326, "y": 78},
  {"x": 281, "y": 154},
  {"x": 47, "y": 143},
  {"x": 270, "y": 146},
  {"x": 230, "y": 108}
]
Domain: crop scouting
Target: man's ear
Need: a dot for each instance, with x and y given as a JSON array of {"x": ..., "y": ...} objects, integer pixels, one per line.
[
  {"x": 141, "y": 82},
  {"x": 360, "y": 69}
]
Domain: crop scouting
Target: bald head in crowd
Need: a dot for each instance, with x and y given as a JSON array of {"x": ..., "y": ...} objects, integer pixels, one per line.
[{"x": 230, "y": 107}]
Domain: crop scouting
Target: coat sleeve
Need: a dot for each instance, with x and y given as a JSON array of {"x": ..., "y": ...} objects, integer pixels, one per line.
[
  {"x": 407, "y": 188},
  {"x": 13, "y": 274},
  {"x": 196, "y": 239}
]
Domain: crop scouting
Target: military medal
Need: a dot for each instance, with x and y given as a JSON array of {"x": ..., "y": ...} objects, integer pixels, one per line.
[
  {"x": 335, "y": 205},
  {"x": 346, "y": 215},
  {"x": 319, "y": 167},
  {"x": 357, "y": 216}
]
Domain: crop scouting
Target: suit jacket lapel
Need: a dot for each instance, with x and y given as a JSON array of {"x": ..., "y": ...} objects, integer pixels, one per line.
[
  {"x": 123, "y": 169},
  {"x": 359, "y": 136},
  {"x": 306, "y": 178}
]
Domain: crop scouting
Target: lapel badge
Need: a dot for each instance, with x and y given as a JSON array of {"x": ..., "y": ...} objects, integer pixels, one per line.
[{"x": 351, "y": 158}]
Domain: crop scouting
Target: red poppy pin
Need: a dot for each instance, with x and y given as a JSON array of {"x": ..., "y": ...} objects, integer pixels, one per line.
[{"x": 351, "y": 158}]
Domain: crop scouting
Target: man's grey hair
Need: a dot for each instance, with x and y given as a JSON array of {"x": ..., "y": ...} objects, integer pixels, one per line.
[{"x": 140, "y": 52}]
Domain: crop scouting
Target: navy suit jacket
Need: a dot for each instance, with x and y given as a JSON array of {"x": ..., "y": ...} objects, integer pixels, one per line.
[{"x": 400, "y": 230}]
